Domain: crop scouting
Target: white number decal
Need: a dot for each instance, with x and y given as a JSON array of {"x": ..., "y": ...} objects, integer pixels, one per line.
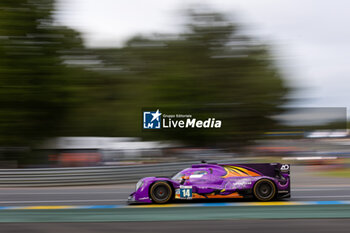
[
  {"x": 186, "y": 192},
  {"x": 285, "y": 167}
]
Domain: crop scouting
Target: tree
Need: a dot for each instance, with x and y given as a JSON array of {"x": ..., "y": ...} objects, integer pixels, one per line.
[
  {"x": 35, "y": 82},
  {"x": 212, "y": 70},
  {"x": 209, "y": 70}
]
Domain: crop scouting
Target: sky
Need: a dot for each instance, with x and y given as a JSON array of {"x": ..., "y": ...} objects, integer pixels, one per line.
[{"x": 309, "y": 37}]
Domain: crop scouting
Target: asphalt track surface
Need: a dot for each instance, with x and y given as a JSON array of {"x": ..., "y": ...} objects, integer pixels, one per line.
[
  {"x": 305, "y": 187},
  {"x": 318, "y": 204},
  {"x": 117, "y": 195},
  {"x": 241, "y": 226}
]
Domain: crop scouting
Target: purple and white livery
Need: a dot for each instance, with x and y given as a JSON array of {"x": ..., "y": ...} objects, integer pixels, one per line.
[{"x": 262, "y": 181}]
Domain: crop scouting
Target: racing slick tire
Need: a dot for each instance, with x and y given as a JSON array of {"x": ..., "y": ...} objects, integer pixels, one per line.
[
  {"x": 161, "y": 192},
  {"x": 264, "y": 190}
]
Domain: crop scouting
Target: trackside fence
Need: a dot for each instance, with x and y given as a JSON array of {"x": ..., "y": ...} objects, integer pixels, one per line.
[{"x": 89, "y": 175}]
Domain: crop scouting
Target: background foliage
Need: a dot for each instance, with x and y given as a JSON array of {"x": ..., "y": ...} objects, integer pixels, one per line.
[{"x": 51, "y": 85}]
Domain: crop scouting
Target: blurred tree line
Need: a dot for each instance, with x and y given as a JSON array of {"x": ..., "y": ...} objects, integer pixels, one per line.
[{"x": 52, "y": 85}]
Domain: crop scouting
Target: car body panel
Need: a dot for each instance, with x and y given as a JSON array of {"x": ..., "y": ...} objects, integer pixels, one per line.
[{"x": 211, "y": 181}]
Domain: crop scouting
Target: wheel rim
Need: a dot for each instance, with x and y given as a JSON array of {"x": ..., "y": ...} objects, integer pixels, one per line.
[
  {"x": 161, "y": 193},
  {"x": 265, "y": 190}
]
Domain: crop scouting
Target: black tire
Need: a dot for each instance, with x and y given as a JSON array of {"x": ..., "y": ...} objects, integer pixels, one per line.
[
  {"x": 264, "y": 190},
  {"x": 161, "y": 192}
]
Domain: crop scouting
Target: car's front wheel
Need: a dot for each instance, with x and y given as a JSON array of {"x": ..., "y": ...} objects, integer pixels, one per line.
[
  {"x": 264, "y": 190},
  {"x": 161, "y": 192}
]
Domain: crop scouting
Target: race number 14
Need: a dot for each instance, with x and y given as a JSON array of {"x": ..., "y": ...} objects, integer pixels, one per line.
[{"x": 186, "y": 192}]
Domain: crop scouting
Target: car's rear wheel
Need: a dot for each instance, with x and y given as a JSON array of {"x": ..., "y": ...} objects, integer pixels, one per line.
[
  {"x": 161, "y": 192},
  {"x": 264, "y": 190}
]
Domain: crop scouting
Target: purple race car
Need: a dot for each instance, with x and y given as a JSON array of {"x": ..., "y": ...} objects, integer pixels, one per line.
[{"x": 263, "y": 181}]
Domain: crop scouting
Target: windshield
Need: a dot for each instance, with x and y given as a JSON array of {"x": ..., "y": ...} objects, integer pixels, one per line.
[
  {"x": 178, "y": 176},
  {"x": 192, "y": 174}
]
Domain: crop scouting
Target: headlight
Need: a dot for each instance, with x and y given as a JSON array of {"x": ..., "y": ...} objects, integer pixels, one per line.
[{"x": 139, "y": 184}]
